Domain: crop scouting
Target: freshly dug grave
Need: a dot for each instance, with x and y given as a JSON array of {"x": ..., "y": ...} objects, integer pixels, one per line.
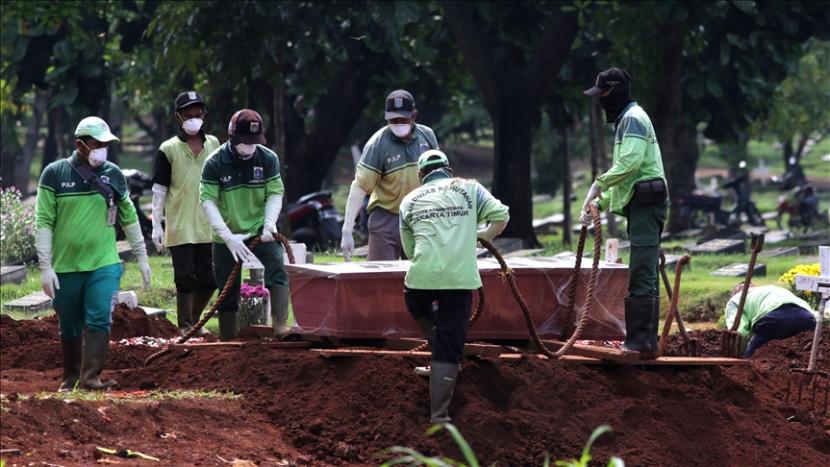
[{"x": 306, "y": 409}]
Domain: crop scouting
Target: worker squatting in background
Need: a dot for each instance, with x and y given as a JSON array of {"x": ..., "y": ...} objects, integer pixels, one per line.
[
  {"x": 241, "y": 192},
  {"x": 636, "y": 188},
  {"x": 770, "y": 312},
  {"x": 387, "y": 172},
  {"x": 79, "y": 201},
  {"x": 176, "y": 194},
  {"x": 438, "y": 223}
]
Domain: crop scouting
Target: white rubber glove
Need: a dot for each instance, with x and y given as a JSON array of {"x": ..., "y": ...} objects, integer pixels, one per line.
[
  {"x": 585, "y": 218},
  {"x": 353, "y": 204},
  {"x": 43, "y": 245},
  {"x": 159, "y": 195},
  {"x": 234, "y": 242},
  {"x": 492, "y": 231},
  {"x": 593, "y": 192},
  {"x": 136, "y": 241},
  {"x": 272, "y": 212}
]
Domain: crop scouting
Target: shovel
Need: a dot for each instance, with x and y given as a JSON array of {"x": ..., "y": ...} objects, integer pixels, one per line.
[
  {"x": 731, "y": 344},
  {"x": 664, "y": 337},
  {"x": 690, "y": 347}
]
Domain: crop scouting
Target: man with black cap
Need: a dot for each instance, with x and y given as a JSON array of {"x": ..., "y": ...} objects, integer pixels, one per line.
[
  {"x": 635, "y": 187},
  {"x": 438, "y": 224},
  {"x": 241, "y": 193},
  {"x": 387, "y": 171},
  {"x": 176, "y": 193}
]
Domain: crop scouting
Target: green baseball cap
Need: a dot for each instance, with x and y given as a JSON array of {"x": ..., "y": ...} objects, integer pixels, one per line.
[
  {"x": 432, "y": 157},
  {"x": 96, "y": 128}
]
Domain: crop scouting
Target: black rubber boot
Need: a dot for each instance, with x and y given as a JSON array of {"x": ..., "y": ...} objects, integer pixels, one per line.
[
  {"x": 96, "y": 346},
  {"x": 227, "y": 324},
  {"x": 201, "y": 297},
  {"x": 279, "y": 309},
  {"x": 72, "y": 352},
  {"x": 184, "y": 310},
  {"x": 640, "y": 325},
  {"x": 442, "y": 378}
]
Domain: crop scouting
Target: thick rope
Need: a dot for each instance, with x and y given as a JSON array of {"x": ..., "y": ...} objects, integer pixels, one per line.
[
  {"x": 221, "y": 298},
  {"x": 508, "y": 275}
]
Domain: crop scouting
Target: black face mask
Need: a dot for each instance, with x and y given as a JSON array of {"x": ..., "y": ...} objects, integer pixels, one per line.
[{"x": 615, "y": 103}]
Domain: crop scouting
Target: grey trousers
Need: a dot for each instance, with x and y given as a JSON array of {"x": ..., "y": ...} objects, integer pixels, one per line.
[{"x": 384, "y": 236}]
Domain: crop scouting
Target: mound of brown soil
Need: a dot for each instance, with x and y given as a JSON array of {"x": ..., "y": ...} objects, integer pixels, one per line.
[
  {"x": 347, "y": 411},
  {"x": 134, "y": 323}
]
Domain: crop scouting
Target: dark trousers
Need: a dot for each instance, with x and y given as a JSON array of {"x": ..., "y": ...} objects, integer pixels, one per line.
[
  {"x": 645, "y": 226},
  {"x": 270, "y": 254},
  {"x": 785, "y": 321},
  {"x": 451, "y": 319},
  {"x": 192, "y": 267}
]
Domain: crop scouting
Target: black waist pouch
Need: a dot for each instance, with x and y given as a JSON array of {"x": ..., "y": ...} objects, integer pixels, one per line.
[{"x": 650, "y": 192}]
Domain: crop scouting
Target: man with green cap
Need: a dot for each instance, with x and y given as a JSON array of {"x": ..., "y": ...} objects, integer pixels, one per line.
[
  {"x": 241, "y": 193},
  {"x": 79, "y": 201},
  {"x": 634, "y": 187},
  {"x": 438, "y": 224},
  {"x": 387, "y": 172},
  {"x": 176, "y": 193}
]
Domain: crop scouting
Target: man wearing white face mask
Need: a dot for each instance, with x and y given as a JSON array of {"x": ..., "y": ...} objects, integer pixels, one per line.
[
  {"x": 176, "y": 194},
  {"x": 79, "y": 201},
  {"x": 387, "y": 171},
  {"x": 241, "y": 193}
]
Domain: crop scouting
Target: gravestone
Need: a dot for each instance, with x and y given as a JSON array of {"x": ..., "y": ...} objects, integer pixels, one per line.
[
  {"x": 32, "y": 303},
  {"x": 548, "y": 224},
  {"x": 740, "y": 269},
  {"x": 780, "y": 251},
  {"x": 124, "y": 250},
  {"x": 776, "y": 236},
  {"x": 525, "y": 253},
  {"x": 154, "y": 311},
  {"x": 671, "y": 263},
  {"x": 719, "y": 246},
  {"x": 12, "y": 274}
]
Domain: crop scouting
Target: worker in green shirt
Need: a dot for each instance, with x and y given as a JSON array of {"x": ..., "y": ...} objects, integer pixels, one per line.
[
  {"x": 176, "y": 193},
  {"x": 241, "y": 193},
  {"x": 634, "y": 187},
  {"x": 79, "y": 201},
  {"x": 387, "y": 172},
  {"x": 770, "y": 312},
  {"x": 438, "y": 224}
]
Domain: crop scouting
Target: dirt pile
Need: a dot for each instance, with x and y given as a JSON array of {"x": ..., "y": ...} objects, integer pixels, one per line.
[
  {"x": 346, "y": 411},
  {"x": 134, "y": 323}
]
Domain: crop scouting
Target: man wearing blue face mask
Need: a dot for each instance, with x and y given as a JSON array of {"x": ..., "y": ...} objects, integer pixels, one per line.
[
  {"x": 176, "y": 194},
  {"x": 79, "y": 201},
  {"x": 387, "y": 171},
  {"x": 241, "y": 193}
]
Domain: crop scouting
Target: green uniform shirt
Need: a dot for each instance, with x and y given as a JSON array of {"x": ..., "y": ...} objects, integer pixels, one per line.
[
  {"x": 388, "y": 167},
  {"x": 77, "y": 215},
  {"x": 186, "y": 220},
  {"x": 636, "y": 158},
  {"x": 439, "y": 222},
  {"x": 760, "y": 301},
  {"x": 240, "y": 188}
]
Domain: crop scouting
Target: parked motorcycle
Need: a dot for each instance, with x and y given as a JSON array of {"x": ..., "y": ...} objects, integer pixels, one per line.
[
  {"x": 314, "y": 221},
  {"x": 801, "y": 205}
]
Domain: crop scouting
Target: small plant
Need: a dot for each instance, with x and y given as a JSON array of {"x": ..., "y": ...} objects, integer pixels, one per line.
[
  {"x": 17, "y": 227},
  {"x": 803, "y": 270},
  {"x": 253, "y": 304},
  {"x": 412, "y": 457}
]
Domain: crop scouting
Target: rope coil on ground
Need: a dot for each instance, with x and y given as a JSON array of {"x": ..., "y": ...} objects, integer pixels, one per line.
[{"x": 223, "y": 294}]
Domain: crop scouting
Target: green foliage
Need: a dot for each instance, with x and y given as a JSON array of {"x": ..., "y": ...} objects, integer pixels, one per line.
[
  {"x": 411, "y": 457},
  {"x": 17, "y": 228}
]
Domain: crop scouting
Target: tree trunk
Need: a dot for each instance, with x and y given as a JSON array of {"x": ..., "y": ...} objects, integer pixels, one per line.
[
  {"x": 788, "y": 152},
  {"x": 513, "y": 135},
  {"x": 564, "y": 149},
  {"x": 597, "y": 138},
  {"x": 17, "y": 160}
]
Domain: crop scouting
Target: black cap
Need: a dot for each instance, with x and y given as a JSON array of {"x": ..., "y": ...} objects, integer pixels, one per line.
[
  {"x": 246, "y": 127},
  {"x": 609, "y": 79},
  {"x": 399, "y": 104},
  {"x": 188, "y": 98}
]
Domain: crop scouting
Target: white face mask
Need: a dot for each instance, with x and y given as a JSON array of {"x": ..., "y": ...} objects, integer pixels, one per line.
[
  {"x": 245, "y": 151},
  {"x": 401, "y": 130},
  {"x": 192, "y": 126},
  {"x": 97, "y": 157}
]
